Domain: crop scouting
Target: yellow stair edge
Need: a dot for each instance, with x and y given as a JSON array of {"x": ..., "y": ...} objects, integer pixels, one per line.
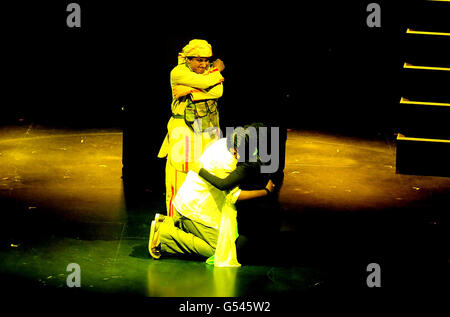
[
  {"x": 407, "y": 101},
  {"x": 411, "y": 31},
  {"x": 401, "y": 137},
  {"x": 407, "y": 65}
]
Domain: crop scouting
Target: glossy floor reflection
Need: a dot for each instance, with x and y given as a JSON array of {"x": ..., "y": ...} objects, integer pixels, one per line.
[
  {"x": 123, "y": 267},
  {"x": 62, "y": 201}
]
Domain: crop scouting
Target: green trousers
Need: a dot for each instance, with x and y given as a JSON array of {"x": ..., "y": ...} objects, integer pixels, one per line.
[{"x": 181, "y": 235}]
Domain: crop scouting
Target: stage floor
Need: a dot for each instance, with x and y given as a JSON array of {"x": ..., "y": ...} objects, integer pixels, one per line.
[{"x": 62, "y": 201}]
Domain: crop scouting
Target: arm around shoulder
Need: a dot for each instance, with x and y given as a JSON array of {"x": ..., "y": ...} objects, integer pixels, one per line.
[{"x": 181, "y": 75}]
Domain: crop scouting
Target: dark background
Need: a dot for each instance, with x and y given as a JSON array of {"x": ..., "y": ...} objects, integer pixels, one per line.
[
  {"x": 295, "y": 65},
  {"x": 319, "y": 64}
]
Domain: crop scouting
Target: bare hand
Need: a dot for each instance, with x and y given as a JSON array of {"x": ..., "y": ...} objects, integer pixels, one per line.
[
  {"x": 270, "y": 186},
  {"x": 219, "y": 65},
  {"x": 181, "y": 91}
]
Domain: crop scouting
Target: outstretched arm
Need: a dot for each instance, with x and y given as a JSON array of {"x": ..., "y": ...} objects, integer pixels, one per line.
[
  {"x": 251, "y": 194},
  {"x": 181, "y": 75},
  {"x": 232, "y": 180}
]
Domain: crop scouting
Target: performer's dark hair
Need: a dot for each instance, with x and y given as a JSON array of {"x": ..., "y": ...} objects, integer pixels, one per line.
[{"x": 245, "y": 140}]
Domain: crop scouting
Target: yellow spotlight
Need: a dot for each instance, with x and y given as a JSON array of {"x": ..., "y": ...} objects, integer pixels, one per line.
[{"x": 406, "y": 65}]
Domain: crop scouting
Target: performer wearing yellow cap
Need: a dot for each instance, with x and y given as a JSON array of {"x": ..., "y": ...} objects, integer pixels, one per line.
[{"x": 196, "y": 87}]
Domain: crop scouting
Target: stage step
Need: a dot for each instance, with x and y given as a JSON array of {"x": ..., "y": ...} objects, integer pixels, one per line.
[
  {"x": 425, "y": 82},
  {"x": 411, "y": 31},
  {"x": 422, "y": 156},
  {"x": 422, "y": 67},
  {"x": 423, "y": 141},
  {"x": 423, "y": 103},
  {"x": 424, "y": 119},
  {"x": 420, "y": 47}
]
